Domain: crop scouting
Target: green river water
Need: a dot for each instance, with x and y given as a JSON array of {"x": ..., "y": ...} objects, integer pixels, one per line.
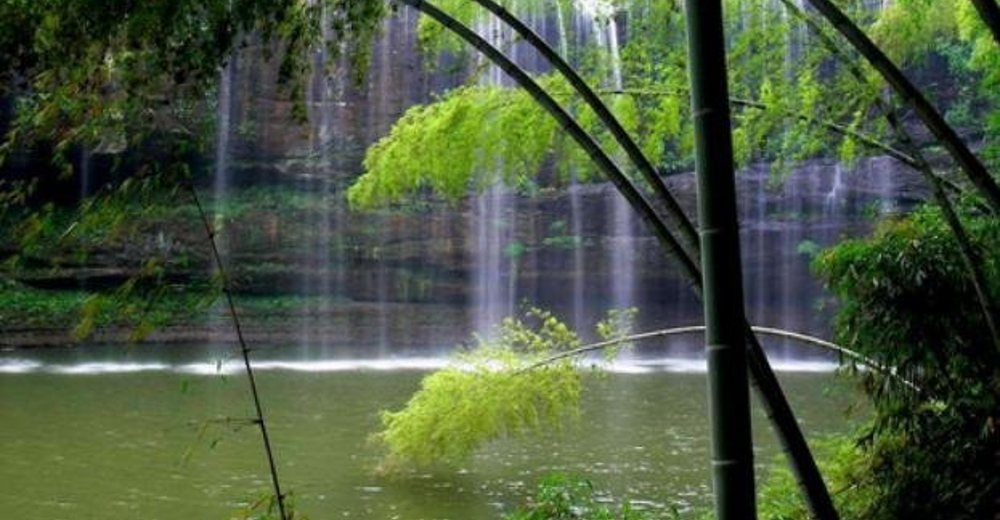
[{"x": 127, "y": 438}]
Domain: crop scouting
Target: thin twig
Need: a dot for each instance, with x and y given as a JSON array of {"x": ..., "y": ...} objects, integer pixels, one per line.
[
  {"x": 805, "y": 338},
  {"x": 244, "y": 350}
]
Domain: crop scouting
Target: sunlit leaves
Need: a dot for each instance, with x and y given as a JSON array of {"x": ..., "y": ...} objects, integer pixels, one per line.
[
  {"x": 908, "y": 29},
  {"x": 471, "y": 138},
  {"x": 792, "y": 101},
  {"x": 488, "y": 393},
  {"x": 512, "y": 382}
]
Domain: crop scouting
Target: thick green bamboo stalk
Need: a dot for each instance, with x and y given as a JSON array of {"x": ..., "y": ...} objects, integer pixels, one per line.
[
  {"x": 970, "y": 164},
  {"x": 989, "y": 11},
  {"x": 722, "y": 279},
  {"x": 662, "y": 194}
]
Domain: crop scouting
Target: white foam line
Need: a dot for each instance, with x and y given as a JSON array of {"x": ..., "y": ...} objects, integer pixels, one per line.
[
  {"x": 106, "y": 368},
  {"x": 209, "y": 368},
  {"x": 805, "y": 366},
  {"x": 645, "y": 366},
  {"x": 354, "y": 365},
  {"x": 18, "y": 366},
  {"x": 333, "y": 365}
]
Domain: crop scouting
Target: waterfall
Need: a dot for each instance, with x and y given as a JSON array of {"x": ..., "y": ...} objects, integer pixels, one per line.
[
  {"x": 383, "y": 341},
  {"x": 86, "y": 188},
  {"x": 495, "y": 257},
  {"x": 380, "y": 80},
  {"x": 222, "y": 176},
  {"x": 563, "y": 39},
  {"x": 622, "y": 244},
  {"x": 579, "y": 269},
  {"x": 621, "y": 272},
  {"x": 503, "y": 254},
  {"x": 307, "y": 185},
  {"x": 614, "y": 54},
  {"x": 392, "y": 281},
  {"x": 788, "y": 301},
  {"x": 220, "y": 187},
  {"x": 885, "y": 189},
  {"x": 753, "y": 221},
  {"x": 321, "y": 278},
  {"x": 832, "y": 199},
  {"x": 496, "y": 248}
]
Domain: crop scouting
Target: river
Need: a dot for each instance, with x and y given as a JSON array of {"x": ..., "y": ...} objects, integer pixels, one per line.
[{"x": 153, "y": 433}]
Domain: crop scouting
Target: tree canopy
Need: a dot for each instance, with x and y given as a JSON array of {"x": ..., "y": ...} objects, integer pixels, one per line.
[{"x": 109, "y": 74}]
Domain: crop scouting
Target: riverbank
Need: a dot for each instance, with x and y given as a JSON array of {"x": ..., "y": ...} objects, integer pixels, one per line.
[{"x": 41, "y": 318}]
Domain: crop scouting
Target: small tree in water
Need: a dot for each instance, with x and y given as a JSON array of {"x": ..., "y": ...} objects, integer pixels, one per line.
[{"x": 507, "y": 385}]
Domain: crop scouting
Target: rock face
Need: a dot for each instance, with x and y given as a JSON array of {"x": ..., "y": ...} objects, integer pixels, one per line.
[
  {"x": 576, "y": 250},
  {"x": 558, "y": 251},
  {"x": 436, "y": 272},
  {"x": 344, "y": 115}
]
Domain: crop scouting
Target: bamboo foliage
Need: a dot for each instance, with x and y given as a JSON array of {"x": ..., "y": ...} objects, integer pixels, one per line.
[
  {"x": 973, "y": 168},
  {"x": 258, "y": 419},
  {"x": 572, "y": 127},
  {"x": 775, "y": 403},
  {"x": 662, "y": 195},
  {"x": 970, "y": 256}
]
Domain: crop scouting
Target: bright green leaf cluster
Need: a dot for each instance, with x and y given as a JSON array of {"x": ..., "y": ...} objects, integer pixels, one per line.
[
  {"x": 472, "y": 137},
  {"x": 501, "y": 388},
  {"x": 792, "y": 101}
]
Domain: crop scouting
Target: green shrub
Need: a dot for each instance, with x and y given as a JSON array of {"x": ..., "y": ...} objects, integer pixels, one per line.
[
  {"x": 489, "y": 392},
  {"x": 907, "y": 302},
  {"x": 566, "y": 497},
  {"x": 843, "y": 464},
  {"x": 509, "y": 384}
]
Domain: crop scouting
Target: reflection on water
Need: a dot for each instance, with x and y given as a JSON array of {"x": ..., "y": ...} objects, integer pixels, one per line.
[{"x": 118, "y": 433}]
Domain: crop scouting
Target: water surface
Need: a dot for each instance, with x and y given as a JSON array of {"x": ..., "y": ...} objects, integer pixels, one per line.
[{"x": 118, "y": 434}]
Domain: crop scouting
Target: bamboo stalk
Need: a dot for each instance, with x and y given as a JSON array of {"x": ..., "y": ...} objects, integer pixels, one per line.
[
  {"x": 244, "y": 351},
  {"x": 722, "y": 276},
  {"x": 990, "y": 13},
  {"x": 692, "y": 329},
  {"x": 662, "y": 194},
  {"x": 572, "y": 127},
  {"x": 773, "y": 398}
]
